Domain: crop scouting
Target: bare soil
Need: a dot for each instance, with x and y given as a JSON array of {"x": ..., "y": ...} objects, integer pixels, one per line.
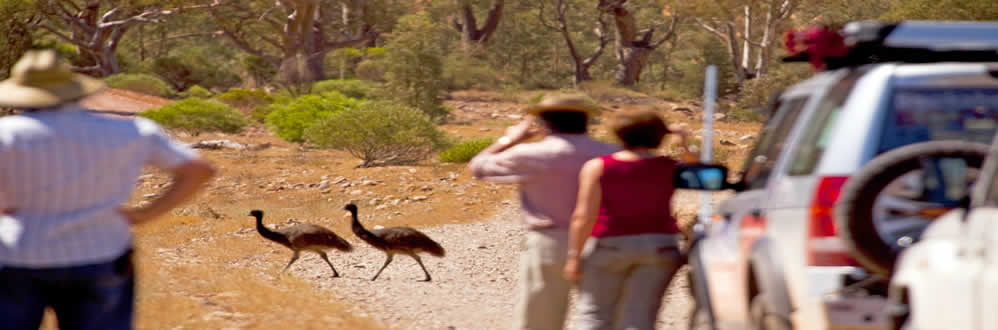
[{"x": 204, "y": 266}]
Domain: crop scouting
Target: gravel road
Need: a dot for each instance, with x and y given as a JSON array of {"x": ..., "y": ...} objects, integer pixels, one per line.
[{"x": 473, "y": 286}]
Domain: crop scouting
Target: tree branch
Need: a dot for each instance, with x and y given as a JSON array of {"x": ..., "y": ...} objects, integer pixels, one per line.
[
  {"x": 710, "y": 29},
  {"x": 57, "y": 33},
  {"x": 492, "y": 22}
]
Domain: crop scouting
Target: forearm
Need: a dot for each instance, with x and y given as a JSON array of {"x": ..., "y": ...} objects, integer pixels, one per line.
[
  {"x": 579, "y": 231},
  {"x": 185, "y": 186}
]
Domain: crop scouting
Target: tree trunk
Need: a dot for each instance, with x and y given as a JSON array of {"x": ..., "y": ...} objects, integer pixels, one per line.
[
  {"x": 472, "y": 36},
  {"x": 765, "y": 48},
  {"x": 746, "y": 46},
  {"x": 630, "y": 62},
  {"x": 733, "y": 50}
]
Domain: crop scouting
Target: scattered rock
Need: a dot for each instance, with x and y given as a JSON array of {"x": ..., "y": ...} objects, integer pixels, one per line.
[
  {"x": 374, "y": 201},
  {"x": 483, "y": 129},
  {"x": 376, "y": 227},
  {"x": 727, "y": 143},
  {"x": 218, "y": 144},
  {"x": 324, "y": 184},
  {"x": 683, "y": 110},
  {"x": 515, "y": 117},
  {"x": 356, "y": 192},
  {"x": 381, "y": 207},
  {"x": 149, "y": 195},
  {"x": 256, "y": 147},
  {"x": 719, "y": 116},
  {"x": 425, "y": 188},
  {"x": 746, "y": 138},
  {"x": 418, "y": 198},
  {"x": 369, "y": 183}
]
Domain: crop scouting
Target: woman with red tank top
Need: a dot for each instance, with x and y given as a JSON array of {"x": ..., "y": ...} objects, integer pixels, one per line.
[{"x": 624, "y": 242}]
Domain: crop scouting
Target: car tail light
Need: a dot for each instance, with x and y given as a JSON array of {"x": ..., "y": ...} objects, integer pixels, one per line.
[{"x": 824, "y": 247}]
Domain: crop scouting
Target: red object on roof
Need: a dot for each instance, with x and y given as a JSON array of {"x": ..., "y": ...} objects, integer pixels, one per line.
[{"x": 818, "y": 43}]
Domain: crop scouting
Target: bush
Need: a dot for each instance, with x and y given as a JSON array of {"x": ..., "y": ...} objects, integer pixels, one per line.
[
  {"x": 462, "y": 152},
  {"x": 462, "y": 72},
  {"x": 140, "y": 83},
  {"x": 196, "y": 91},
  {"x": 379, "y": 133},
  {"x": 413, "y": 65},
  {"x": 290, "y": 120},
  {"x": 370, "y": 70},
  {"x": 196, "y": 116},
  {"x": 358, "y": 89},
  {"x": 254, "y": 102}
]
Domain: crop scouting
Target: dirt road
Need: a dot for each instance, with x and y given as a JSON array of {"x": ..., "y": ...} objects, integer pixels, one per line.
[{"x": 472, "y": 288}]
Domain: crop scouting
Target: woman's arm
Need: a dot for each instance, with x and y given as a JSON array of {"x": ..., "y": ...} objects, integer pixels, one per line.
[{"x": 584, "y": 216}]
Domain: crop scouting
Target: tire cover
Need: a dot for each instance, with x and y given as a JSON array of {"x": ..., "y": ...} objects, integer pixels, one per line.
[{"x": 854, "y": 209}]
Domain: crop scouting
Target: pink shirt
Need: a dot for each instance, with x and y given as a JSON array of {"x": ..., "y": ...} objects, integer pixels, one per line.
[{"x": 547, "y": 172}]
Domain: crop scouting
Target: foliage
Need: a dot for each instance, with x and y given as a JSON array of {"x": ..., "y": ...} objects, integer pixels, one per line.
[
  {"x": 370, "y": 70},
  {"x": 243, "y": 99},
  {"x": 140, "y": 83},
  {"x": 972, "y": 10},
  {"x": 605, "y": 91},
  {"x": 379, "y": 133},
  {"x": 197, "y": 116},
  {"x": 204, "y": 65},
  {"x": 15, "y": 35},
  {"x": 462, "y": 72},
  {"x": 290, "y": 120},
  {"x": 358, "y": 89},
  {"x": 196, "y": 91},
  {"x": 758, "y": 92},
  {"x": 413, "y": 66},
  {"x": 462, "y": 152}
]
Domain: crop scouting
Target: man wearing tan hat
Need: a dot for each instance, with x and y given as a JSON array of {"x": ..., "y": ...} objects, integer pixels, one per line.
[
  {"x": 547, "y": 172},
  {"x": 65, "y": 240}
]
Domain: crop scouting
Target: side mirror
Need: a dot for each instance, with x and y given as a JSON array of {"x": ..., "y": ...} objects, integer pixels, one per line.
[{"x": 702, "y": 177}]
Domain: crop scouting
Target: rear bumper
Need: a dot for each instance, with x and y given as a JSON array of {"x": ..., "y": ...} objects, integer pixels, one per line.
[{"x": 828, "y": 306}]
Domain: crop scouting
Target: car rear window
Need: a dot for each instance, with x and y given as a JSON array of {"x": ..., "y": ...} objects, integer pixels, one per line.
[{"x": 919, "y": 115}]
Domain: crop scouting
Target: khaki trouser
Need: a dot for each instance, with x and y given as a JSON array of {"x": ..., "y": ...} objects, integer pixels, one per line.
[
  {"x": 543, "y": 291},
  {"x": 624, "y": 279}
]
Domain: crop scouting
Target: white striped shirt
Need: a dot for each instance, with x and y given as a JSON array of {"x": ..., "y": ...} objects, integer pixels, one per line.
[{"x": 66, "y": 172}]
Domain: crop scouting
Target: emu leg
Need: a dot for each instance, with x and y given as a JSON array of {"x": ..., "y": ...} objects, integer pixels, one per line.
[
  {"x": 420, "y": 262},
  {"x": 293, "y": 259},
  {"x": 326, "y": 258},
  {"x": 387, "y": 261}
]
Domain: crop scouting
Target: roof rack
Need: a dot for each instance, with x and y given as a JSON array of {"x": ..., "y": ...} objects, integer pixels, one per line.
[{"x": 868, "y": 42}]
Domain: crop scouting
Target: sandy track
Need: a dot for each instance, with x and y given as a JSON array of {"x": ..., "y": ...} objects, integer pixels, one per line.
[{"x": 472, "y": 288}]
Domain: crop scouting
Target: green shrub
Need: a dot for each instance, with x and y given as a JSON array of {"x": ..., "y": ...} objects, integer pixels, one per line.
[
  {"x": 370, "y": 70},
  {"x": 462, "y": 152},
  {"x": 256, "y": 103},
  {"x": 208, "y": 65},
  {"x": 358, "y": 89},
  {"x": 462, "y": 72},
  {"x": 140, "y": 83},
  {"x": 196, "y": 91},
  {"x": 245, "y": 98},
  {"x": 379, "y": 133},
  {"x": 196, "y": 116},
  {"x": 290, "y": 120},
  {"x": 413, "y": 64}
]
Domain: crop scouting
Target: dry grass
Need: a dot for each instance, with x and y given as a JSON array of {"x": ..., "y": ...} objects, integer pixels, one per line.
[{"x": 205, "y": 267}]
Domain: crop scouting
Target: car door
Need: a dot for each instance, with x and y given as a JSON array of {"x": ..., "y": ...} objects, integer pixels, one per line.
[{"x": 739, "y": 222}]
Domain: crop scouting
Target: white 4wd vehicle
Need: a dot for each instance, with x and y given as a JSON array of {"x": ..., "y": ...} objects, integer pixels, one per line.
[
  {"x": 949, "y": 279},
  {"x": 777, "y": 255}
]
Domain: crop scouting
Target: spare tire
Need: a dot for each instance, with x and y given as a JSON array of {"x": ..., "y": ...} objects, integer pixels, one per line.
[{"x": 866, "y": 203}]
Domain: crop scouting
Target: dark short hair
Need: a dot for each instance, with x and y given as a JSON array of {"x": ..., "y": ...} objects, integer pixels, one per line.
[
  {"x": 566, "y": 122},
  {"x": 639, "y": 129}
]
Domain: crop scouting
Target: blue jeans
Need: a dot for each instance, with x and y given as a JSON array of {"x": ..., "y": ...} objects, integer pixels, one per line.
[{"x": 98, "y": 296}]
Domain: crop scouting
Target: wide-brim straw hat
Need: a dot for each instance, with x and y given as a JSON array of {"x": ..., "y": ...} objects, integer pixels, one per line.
[
  {"x": 40, "y": 80},
  {"x": 564, "y": 103}
]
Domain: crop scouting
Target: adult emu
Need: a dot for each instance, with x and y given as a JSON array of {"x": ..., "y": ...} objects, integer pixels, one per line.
[
  {"x": 303, "y": 237},
  {"x": 402, "y": 240}
]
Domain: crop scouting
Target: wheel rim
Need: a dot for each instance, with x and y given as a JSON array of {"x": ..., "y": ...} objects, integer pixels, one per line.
[{"x": 906, "y": 206}]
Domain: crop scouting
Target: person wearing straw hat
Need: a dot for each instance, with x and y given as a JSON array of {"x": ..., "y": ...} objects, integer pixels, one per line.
[
  {"x": 65, "y": 239},
  {"x": 547, "y": 172}
]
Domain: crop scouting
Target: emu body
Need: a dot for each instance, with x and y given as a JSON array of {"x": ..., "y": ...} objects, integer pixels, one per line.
[
  {"x": 303, "y": 237},
  {"x": 396, "y": 240}
]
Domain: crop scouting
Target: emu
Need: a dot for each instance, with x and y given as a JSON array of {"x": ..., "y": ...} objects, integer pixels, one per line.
[
  {"x": 303, "y": 237},
  {"x": 402, "y": 240}
]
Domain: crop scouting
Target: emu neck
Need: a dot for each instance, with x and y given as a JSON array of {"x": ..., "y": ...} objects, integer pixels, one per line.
[
  {"x": 363, "y": 233},
  {"x": 269, "y": 234}
]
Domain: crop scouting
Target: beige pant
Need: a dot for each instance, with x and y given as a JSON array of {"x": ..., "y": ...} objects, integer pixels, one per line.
[
  {"x": 624, "y": 279},
  {"x": 543, "y": 291}
]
